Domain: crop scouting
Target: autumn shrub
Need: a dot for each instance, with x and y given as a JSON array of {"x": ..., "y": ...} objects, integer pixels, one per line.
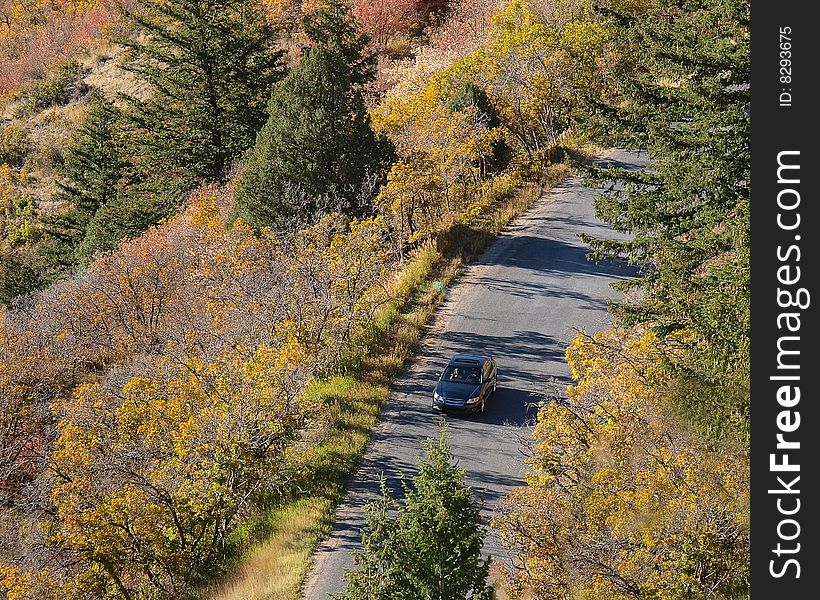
[
  {"x": 19, "y": 229},
  {"x": 32, "y": 373},
  {"x": 498, "y": 86},
  {"x": 26, "y": 379},
  {"x": 18, "y": 221},
  {"x": 197, "y": 277},
  {"x": 538, "y": 70},
  {"x": 183, "y": 356},
  {"x": 384, "y": 19},
  {"x": 37, "y": 34},
  {"x": 431, "y": 10},
  {"x": 154, "y": 474},
  {"x": 536, "y": 60},
  {"x": 466, "y": 27},
  {"x": 620, "y": 503},
  {"x": 18, "y": 218},
  {"x": 398, "y": 47},
  {"x": 441, "y": 151}
]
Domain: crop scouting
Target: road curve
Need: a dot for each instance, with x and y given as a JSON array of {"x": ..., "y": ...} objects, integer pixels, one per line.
[{"x": 522, "y": 302}]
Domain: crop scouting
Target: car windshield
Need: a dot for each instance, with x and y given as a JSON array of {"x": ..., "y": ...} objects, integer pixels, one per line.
[{"x": 459, "y": 374}]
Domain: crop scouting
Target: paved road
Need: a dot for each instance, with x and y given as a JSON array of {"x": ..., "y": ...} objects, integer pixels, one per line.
[{"x": 522, "y": 303}]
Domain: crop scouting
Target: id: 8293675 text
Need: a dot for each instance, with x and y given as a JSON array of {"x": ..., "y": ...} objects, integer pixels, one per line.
[{"x": 785, "y": 67}]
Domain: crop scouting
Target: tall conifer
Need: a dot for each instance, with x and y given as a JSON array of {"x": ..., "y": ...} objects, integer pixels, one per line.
[
  {"x": 317, "y": 148},
  {"x": 209, "y": 66},
  {"x": 431, "y": 546},
  {"x": 91, "y": 176},
  {"x": 683, "y": 95}
]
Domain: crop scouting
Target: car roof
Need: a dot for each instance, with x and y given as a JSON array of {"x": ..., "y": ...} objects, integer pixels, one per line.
[{"x": 468, "y": 359}]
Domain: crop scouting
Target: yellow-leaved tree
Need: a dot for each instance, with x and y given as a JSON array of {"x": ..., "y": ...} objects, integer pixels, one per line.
[
  {"x": 619, "y": 503},
  {"x": 151, "y": 477},
  {"x": 441, "y": 145},
  {"x": 158, "y": 395},
  {"x": 537, "y": 66},
  {"x": 460, "y": 113}
]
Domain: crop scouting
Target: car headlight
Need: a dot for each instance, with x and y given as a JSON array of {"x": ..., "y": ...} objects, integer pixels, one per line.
[
  {"x": 436, "y": 396},
  {"x": 474, "y": 399}
]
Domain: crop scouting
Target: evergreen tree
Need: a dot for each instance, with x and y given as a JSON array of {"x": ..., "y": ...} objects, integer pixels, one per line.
[
  {"x": 686, "y": 100},
  {"x": 432, "y": 547},
  {"x": 210, "y": 65},
  {"x": 91, "y": 176},
  {"x": 471, "y": 94},
  {"x": 334, "y": 28},
  {"x": 317, "y": 147},
  {"x": 18, "y": 276},
  {"x": 136, "y": 208}
]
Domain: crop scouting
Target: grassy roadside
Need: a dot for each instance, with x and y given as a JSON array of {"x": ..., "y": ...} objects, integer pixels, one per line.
[{"x": 276, "y": 567}]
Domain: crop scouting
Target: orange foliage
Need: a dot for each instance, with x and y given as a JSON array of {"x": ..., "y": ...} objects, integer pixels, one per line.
[
  {"x": 36, "y": 33},
  {"x": 383, "y": 19},
  {"x": 212, "y": 324}
]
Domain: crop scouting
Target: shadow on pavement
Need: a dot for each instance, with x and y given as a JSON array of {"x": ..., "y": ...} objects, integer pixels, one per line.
[
  {"x": 639, "y": 160},
  {"x": 508, "y": 406},
  {"x": 559, "y": 259}
]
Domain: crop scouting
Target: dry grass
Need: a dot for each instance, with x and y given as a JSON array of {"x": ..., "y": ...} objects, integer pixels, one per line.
[
  {"x": 49, "y": 131},
  {"x": 106, "y": 74},
  {"x": 276, "y": 567}
]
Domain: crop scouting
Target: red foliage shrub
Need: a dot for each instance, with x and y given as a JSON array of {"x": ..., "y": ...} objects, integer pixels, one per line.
[{"x": 383, "y": 19}]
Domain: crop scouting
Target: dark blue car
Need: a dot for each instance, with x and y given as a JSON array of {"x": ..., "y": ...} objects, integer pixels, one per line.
[{"x": 465, "y": 384}]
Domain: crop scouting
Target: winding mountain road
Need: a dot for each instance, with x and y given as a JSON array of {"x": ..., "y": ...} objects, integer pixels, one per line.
[{"x": 522, "y": 302}]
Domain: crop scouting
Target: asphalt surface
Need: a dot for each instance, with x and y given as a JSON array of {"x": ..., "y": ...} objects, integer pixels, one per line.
[{"x": 522, "y": 302}]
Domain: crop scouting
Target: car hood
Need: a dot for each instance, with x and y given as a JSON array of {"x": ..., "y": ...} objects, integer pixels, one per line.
[{"x": 457, "y": 391}]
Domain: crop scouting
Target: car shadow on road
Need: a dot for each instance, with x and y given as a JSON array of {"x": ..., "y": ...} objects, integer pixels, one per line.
[
  {"x": 512, "y": 346},
  {"x": 508, "y": 406}
]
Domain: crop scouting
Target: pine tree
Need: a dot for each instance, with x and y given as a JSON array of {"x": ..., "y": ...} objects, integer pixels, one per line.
[
  {"x": 91, "y": 175},
  {"x": 18, "y": 276},
  {"x": 334, "y": 28},
  {"x": 317, "y": 147},
  {"x": 93, "y": 164},
  {"x": 685, "y": 100},
  {"x": 432, "y": 547},
  {"x": 136, "y": 208},
  {"x": 209, "y": 65}
]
